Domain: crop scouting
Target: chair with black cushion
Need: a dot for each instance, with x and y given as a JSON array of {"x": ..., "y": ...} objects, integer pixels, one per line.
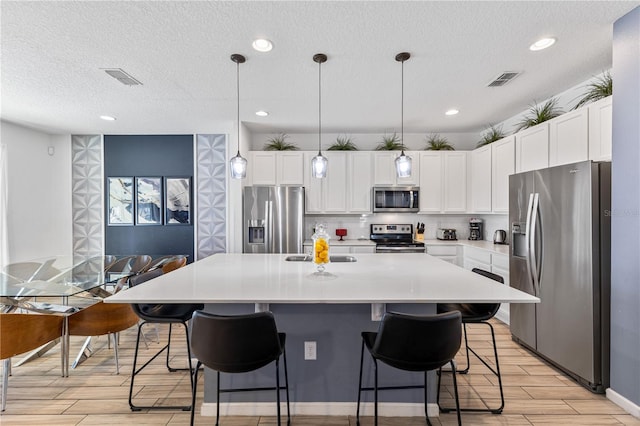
[
  {"x": 169, "y": 313},
  {"x": 478, "y": 313},
  {"x": 238, "y": 344},
  {"x": 419, "y": 343}
]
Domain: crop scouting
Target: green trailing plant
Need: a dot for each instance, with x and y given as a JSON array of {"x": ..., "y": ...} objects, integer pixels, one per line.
[
  {"x": 279, "y": 143},
  {"x": 491, "y": 135},
  {"x": 598, "y": 89},
  {"x": 343, "y": 143},
  {"x": 435, "y": 142},
  {"x": 389, "y": 143},
  {"x": 539, "y": 114}
]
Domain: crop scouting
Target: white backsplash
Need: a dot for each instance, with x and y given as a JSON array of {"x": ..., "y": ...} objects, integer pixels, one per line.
[{"x": 360, "y": 226}]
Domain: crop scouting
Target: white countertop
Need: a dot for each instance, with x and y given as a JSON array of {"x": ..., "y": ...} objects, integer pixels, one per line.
[
  {"x": 481, "y": 244},
  {"x": 268, "y": 278},
  {"x": 346, "y": 243}
]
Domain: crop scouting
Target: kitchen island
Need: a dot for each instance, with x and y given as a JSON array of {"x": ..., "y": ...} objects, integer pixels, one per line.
[{"x": 331, "y": 311}]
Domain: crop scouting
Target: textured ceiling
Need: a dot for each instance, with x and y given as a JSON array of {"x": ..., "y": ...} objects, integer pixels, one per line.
[{"x": 53, "y": 53}]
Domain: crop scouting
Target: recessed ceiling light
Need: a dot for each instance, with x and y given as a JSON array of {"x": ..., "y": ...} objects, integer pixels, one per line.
[
  {"x": 107, "y": 118},
  {"x": 452, "y": 111},
  {"x": 262, "y": 113},
  {"x": 543, "y": 43},
  {"x": 262, "y": 45}
]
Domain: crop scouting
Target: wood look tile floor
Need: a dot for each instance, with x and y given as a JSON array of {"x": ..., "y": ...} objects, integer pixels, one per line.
[{"x": 535, "y": 392}]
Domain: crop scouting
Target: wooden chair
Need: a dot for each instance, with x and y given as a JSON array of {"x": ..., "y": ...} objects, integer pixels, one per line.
[
  {"x": 21, "y": 333},
  {"x": 100, "y": 319}
]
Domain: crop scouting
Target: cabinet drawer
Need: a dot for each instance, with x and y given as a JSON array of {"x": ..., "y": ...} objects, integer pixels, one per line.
[
  {"x": 442, "y": 250},
  {"x": 481, "y": 256},
  {"x": 500, "y": 260}
]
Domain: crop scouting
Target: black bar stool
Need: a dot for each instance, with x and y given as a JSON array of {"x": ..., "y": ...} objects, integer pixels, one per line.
[
  {"x": 477, "y": 313},
  {"x": 238, "y": 344},
  {"x": 412, "y": 343},
  {"x": 170, "y": 313}
]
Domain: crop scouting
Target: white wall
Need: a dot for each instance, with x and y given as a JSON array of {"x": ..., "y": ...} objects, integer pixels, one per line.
[{"x": 39, "y": 193}]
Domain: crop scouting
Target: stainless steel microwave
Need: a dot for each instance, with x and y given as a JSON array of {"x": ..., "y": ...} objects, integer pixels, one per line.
[{"x": 395, "y": 199}]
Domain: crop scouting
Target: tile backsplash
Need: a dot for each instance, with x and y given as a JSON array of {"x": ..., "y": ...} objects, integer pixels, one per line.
[{"x": 360, "y": 226}]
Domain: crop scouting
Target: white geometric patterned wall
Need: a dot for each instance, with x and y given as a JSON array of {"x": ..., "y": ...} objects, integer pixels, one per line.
[
  {"x": 87, "y": 195},
  {"x": 211, "y": 196}
]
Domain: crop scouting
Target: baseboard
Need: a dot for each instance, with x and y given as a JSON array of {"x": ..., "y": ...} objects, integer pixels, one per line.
[
  {"x": 385, "y": 409},
  {"x": 502, "y": 316},
  {"x": 622, "y": 402}
]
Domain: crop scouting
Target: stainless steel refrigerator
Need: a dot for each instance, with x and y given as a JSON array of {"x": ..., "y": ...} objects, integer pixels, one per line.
[
  {"x": 560, "y": 252},
  {"x": 273, "y": 219}
]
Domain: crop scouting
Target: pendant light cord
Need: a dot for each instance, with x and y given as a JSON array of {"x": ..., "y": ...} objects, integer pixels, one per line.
[
  {"x": 238, "y": 103},
  {"x": 319, "y": 108},
  {"x": 402, "y": 108}
]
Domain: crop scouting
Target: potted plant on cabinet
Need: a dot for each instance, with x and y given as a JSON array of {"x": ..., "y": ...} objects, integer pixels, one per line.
[
  {"x": 491, "y": 135},
  {"x": 435, "y": 142},
  {"x": 599, "y": 89},
  {"x": 539, "y": 114},
  {"x": 279, "y": 143},
  {"x": 343, "y": 143},
  {"x": 389, "y": 143}
]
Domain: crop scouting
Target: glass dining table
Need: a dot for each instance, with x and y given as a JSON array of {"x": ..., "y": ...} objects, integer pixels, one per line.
[{"x": 63, "y": 285}]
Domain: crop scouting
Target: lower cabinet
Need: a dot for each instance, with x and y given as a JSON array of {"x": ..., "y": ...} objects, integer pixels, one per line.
[
  {"x": 444, "y": 252},
  {"x": 342, "y": 248}
]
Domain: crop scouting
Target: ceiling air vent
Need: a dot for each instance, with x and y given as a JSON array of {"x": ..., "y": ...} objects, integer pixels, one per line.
[
  {"x": 120, "y": 75},
  {"x": 503, "y": 78}
]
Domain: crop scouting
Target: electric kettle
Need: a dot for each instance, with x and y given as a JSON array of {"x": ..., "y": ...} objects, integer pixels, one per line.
[{"x": 500, "y": 237}]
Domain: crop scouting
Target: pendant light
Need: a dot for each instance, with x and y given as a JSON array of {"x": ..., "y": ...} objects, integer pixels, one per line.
[
  {"x": 319, "y": 162},
  {"x": 403, "y": 162},
  {"x": 238, "y": 164}
]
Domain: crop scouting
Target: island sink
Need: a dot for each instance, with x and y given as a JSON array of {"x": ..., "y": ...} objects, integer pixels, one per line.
[{"x": 305, "y": 258}]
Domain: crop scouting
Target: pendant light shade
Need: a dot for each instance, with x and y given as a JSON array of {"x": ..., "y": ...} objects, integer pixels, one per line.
[
  {"x": 238, "y": 164},
  {"x": 319, "y": 163},
  {"x": 403, "y": 162}
]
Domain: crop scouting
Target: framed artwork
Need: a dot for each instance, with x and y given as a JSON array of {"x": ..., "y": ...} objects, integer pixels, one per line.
[
  {"x": 149, "y": 201},
  {"x": 120, "y": 204},
  {"x": 177, "y": 200}
]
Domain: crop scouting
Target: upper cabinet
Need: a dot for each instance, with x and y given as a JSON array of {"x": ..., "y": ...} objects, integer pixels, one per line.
[
  {"x": 443, "y": 182},
  {"x": 385, "y": 169},
  {"x": 480, "y": 179},
  {"x": 532, "y": 148},
  {"x": 347, "y": 187},
  {"x": 600, "y": 129},
  {"x": 503, "y": 154},
  {"x": 569, "y": 138},
  {"x": 275, "y": 168}
]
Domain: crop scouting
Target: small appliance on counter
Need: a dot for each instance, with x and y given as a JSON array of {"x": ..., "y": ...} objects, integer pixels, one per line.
[
  {"x": 446, "y": 234},
  {"x": 475, "y": 229},
  {"x": 500, "y": 237}
]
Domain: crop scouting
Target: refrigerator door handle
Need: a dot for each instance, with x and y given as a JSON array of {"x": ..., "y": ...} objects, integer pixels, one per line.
[
  {"x": 535, "y": 267},
  {"x": 529, "y": 235},
  {"x": 268, "y": 223}
]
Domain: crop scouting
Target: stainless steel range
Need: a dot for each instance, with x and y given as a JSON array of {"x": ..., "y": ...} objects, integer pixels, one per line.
[{"x": 395, "y": 239}]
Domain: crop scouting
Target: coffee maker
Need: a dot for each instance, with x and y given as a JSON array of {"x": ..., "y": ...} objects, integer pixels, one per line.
[{"x": 475, "y": 229}]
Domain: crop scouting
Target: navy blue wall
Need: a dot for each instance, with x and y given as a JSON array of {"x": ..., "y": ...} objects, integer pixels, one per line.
[{"x": 149, "y": 156}]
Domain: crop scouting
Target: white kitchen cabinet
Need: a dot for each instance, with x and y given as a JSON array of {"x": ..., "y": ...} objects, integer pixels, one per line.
[
  {"x": 476, "y": 258},
  {"x": 503, "y": 154},
  {"x": 480, "y": 179},
  {"x": 448, "y": 253},
  {"x": 443, "y": 182},
  {"x": 431, "y": 185},
  {"x": 492, "y": 262},
  {"x": 334, "y": 187},
  {"x": 569, "y": 138},
  {"x": 600, "y": 129},
  {"x": 455, "y": 182},
  {"x": 360, "y": 182},
  {"x": 347, "y": 187},
  {"x": 363, "y": 249},
  {"x": 384, "y": 167},
  {"x": 275, "y": 168},
  {"x": 342, "y": 248},
  {"x": 532, "y": 148}
]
